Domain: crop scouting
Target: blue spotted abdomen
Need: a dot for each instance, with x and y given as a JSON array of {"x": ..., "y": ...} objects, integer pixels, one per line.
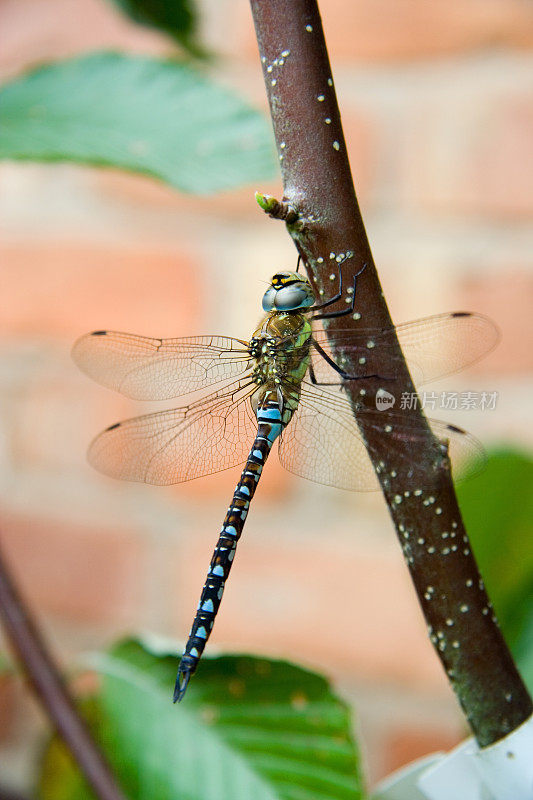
[{"x": 268, "y": 429}]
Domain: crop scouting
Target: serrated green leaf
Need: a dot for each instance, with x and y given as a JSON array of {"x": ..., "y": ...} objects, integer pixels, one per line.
[
  {"x": 159, "y": 118},
  {"x": 248, "y": 728},
  {"x": 176, "y": 18}
]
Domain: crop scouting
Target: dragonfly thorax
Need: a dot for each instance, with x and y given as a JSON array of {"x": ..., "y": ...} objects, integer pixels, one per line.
[{"x": 280, "y": 352}]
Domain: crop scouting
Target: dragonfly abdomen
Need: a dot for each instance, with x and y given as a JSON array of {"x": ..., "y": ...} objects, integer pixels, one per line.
[{"x": 269, "y": 419}]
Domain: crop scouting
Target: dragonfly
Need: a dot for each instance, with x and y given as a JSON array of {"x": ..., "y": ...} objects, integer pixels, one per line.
[{"x": 284, "y": 384}]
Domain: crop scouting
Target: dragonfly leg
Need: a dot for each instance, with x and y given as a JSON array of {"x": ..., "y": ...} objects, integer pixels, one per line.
[
  {"x": 332, "y": 300},
  {"x": 343, "y": 374},
  {"x": 337, "y": 297}
]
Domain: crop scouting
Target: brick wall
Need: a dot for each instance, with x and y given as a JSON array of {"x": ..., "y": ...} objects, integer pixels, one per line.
[{"x": 437, "y": 101}]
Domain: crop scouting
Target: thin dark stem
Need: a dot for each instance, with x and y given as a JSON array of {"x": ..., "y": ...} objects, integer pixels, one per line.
[
  {"x": 44, "y": 676},
  {"x": 318, "y": 185}
]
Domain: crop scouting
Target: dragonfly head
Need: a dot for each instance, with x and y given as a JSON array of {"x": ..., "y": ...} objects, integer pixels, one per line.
[{"x": 288, "y": 291}]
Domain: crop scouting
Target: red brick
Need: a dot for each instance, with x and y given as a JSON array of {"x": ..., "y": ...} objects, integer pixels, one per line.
[
  {"x": 471, "y": 153},
  {"x": 33, "y": 32},
  {"x": 90, "y": 575},
  {"x": 410, "y": 29},
  {"x": 497, "y": 171},
  {"x": 506, "y": 297},
  {"x": 53, "y": 419},
  {"x": 70, "y": 288}
]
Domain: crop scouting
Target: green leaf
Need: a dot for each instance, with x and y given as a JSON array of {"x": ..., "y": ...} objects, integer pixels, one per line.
[
  {"x": 248, "y": 728},
  {"x": 177, "y": 18},
  {"x": 159, "y": 118},
  {"x": 498, "y": 510}
]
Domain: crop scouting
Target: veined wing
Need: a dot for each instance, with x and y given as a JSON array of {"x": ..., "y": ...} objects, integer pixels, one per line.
[
  {"x": 323, "y": 443},
  {"x": 158, "y": 369},
  {"x": 433, "y": 347},
  {"x": 180, "y": 444}
]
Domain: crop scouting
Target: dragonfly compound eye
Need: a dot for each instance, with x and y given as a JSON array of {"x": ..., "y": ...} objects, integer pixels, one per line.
[
  {"x": 269, "y": 298},
  {"x": 292, "y": 297}
]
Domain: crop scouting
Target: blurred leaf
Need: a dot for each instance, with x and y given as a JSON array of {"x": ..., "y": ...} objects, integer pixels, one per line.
[
  {"x": 177, "y": 18},
  {"x": 159, "y": 118},
  {"x": 248, "y": 728},
  {"x": 523, "y": 643},
  {"x": 498, "y": 510}
]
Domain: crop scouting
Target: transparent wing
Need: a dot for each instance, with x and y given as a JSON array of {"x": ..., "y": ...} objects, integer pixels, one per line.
[
  {"x": 323, "y": 443},
  {"x": 180, "y": 444},
  {"x": 158, "y": 369},
  {"x": 433, "y": 347}
]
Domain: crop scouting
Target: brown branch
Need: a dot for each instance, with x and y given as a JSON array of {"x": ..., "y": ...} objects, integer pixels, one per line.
[
  {"x": 318, "y": 185},
  {"x": 44, "y": 676}
]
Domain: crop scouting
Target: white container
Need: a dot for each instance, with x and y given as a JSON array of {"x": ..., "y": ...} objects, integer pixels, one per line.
[{"x": 503, "y": 771}]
